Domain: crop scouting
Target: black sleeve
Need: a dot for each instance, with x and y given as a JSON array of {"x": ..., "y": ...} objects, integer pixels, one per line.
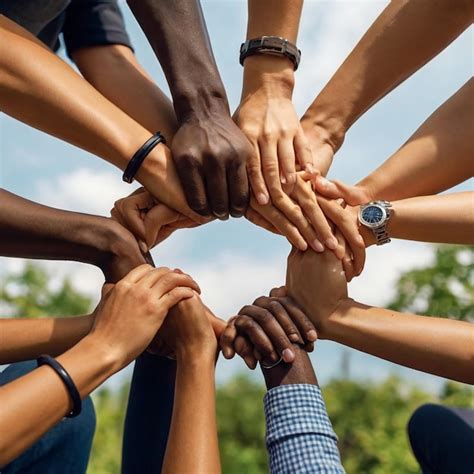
[{"x": 94, "y": 23}]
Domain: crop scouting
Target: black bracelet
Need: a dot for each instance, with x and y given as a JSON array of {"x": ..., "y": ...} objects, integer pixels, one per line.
[
  {"x": 140, "y": 155},
  {"x": 67, "y": 380}
]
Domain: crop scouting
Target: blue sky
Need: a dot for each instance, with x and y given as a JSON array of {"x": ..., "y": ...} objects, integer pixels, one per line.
[{"x": 235, "y": 261}]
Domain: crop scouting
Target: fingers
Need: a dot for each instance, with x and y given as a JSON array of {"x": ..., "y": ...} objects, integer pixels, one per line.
[
  {"x": 281, "y": 223},
  {"x": 216, "y": 186},
  {"x": 246, "y": 350},
  {"x": 303, "y": 153},
  {"x": 286, "y": 160},
  {"x": 238, "y": 185},
  {"x": 191, "y": 175},
  {"x": 348, "y": 225},
  {"x": 278, "y": 292},
  {"x": 155, "y": 219},
  {"x": 305, "y": 326},
  {"x": 269, "y": 162},
  {"x": 255, "y": 176},
  {"x": 337, "y": 189},
  {"x": 137, "y": 274},
  {"x": 255, "y": 218},
  {"x": 177, "y": 294},
  {"x": 265, "y": 333},
  {"x": 164, "y": 283},
  {"x": 227, "y": 339},
  {"x": 306, "y": 198}
]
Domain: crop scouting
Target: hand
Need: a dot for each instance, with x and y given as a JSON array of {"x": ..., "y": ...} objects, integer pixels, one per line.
[
  {"x": 150, "y": 221},
  {"x": 325, "y": 139},
  {"x": 210, "y": 154},
  {"x": 122, "y": 253},
  {"x": 132, "y": 311},
  {"x": 266, "y": 330},
  {"x": 187, "y": 331},
  {"x": 316, "y": 282},
  {"x": 353, "y": 195}
]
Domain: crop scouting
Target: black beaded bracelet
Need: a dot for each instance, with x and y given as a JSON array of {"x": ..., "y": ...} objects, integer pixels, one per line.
[
  {"x": 67, "y": 380},
  {"x": 140, "y": 155}
]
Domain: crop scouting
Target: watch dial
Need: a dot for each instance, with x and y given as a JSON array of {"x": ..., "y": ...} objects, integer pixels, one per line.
[{"x": 372, "y": 214}]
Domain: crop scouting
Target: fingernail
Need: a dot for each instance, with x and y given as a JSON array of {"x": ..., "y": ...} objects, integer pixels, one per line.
[
  {"x": 310, "y": 168},
  {"x": 221, "y": 216},
  {"x": 317, "y": 246},
  {"x": 226, "y": 353},
  {"x": 294, "y": 337},
  {"x": 312, "y": 335},
  {"x": 304, "y": 246},
  {"x": 178, "y": 270},
  {"x": 291, "y": 178},
  {"x": 143, "y": 246},
  {"x": 262, "y": 199},
  {"x": 283, "y": 179},
  {"x": 323, "y": 182},
  {"x": 288, "y": 355},
  {"x": 331, "y": 243}
]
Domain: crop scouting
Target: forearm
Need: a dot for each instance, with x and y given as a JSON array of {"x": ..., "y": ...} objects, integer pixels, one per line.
[
  {"x": 270, "y": 18},
  {"x": 31, "y": 230},
  {"x": 61, "y": 103},
  {"x": 132, "y": 89},
  {"x": 25, "y": 339},
  {"x": 192, "y": 444},
  {"x": 437, "y": 157},
  {"x": 445, "y": 218},
  {"x": 38, "y": 400},
  {"x": 384, "y": 57},
  {"x": 438, "y": 346},
  {"x": 190, "y": 70}
]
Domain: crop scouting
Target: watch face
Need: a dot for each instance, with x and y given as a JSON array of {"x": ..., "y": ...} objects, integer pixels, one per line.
[{"x": 373, "y": 215}]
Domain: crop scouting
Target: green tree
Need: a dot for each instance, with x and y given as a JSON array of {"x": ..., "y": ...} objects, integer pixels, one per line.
[
  {"x": 28, "y": 295},
  {"x": 445, "y": 288}
]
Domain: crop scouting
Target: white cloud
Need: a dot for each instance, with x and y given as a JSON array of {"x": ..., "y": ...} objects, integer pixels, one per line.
[
  {"x": 84, "y": 190},
  {"x": 329, "y": 32}
]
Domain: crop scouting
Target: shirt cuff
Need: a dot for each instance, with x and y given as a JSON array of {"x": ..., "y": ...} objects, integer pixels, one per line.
[{"x": 296, "y": 409}]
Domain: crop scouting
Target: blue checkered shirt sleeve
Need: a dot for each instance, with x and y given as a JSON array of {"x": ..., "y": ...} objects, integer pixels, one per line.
[{"x": 300, "y": 438}]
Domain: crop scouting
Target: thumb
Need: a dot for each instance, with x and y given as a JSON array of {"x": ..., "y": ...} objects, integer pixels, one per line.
[{"x": 337, "y": 189}]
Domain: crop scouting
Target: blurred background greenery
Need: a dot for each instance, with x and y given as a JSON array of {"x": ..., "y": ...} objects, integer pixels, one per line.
[{"x": 369, "y": 417}]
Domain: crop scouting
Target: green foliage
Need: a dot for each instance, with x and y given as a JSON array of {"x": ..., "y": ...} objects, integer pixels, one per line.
[
  {"x": 110, "y": 407},
  {"x": 28, "y": 295},
  {"x": 445, "y": 288},
  {"x": 369, "y": 417},
  {"x": 241, "y": 426}
]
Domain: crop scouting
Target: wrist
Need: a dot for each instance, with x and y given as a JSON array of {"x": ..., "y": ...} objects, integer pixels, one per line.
[
  {"x": 201, "y": 102},
  {"x": 334, "y": 325},
  {"x": 272, "y": 73},
  {"x": 197, "y": 355}
]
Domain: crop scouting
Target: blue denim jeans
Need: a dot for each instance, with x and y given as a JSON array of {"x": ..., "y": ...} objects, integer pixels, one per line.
[
  {"x": 64, "y": 449},
  {"x": 442, "y": 439}
]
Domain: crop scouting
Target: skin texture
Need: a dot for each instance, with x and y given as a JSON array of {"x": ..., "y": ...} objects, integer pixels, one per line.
[
  {"x": 192, "y": 444},
  {"x": 267, "y": 117},
  {"x": 382, "y": 59},
  {"x": 141, "y": 300},
  {"x": 31, "y": 230},
  {"x": 267, "y": 330},
  {"x": 65, "y": 105},
  {"x": 435, "y": 158},
  {"x": 209, "y": 150},
  {"x": 434, "y": 345}
]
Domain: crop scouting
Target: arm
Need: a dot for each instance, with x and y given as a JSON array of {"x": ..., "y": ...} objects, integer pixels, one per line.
[
  {"x": 267, "y": 117},
  {"x": 434, "y": 345},
  {"x": 26, "y": 339},
  {"x": 299, "y": 436},
  {"x": 192, "y": 444},
  {"x": 31, "y": 230},
  {"x": 38, "y": 400},
  {"x": 447, "y": 218},
  {"x": 65, "y": 105},
  {"x": 209, "y": 150},
  {"x": 382, "y": 59}
]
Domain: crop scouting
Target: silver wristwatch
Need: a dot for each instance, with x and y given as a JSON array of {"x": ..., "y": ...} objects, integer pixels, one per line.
[{"x": 375, "y": 215}]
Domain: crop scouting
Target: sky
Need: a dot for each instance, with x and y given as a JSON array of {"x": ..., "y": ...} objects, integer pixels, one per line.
[{"x": 235, "y": 262}]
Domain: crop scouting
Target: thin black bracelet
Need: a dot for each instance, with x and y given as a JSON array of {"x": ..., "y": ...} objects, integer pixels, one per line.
[
  {"x": 67, "y": 380},
  {"x": 140, "y": 155}
]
